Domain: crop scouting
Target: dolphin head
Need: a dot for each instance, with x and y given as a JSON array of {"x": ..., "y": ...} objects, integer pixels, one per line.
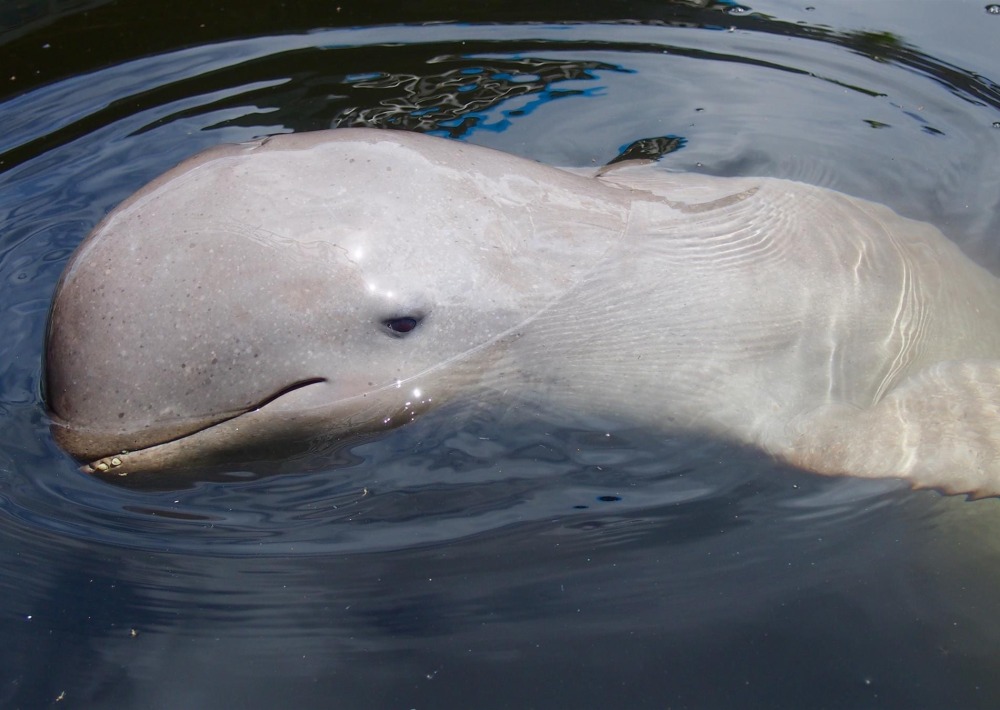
[{"x": 308, "y": 285}]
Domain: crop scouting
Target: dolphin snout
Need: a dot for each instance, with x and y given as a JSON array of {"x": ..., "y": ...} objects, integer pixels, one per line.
[{"x": 156, "y": 335}]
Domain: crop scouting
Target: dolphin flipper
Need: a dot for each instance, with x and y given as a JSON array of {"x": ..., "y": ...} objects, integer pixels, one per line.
[{"x": 939, "y": 428}]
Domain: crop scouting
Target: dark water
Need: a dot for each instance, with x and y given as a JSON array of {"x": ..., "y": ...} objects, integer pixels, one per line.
[{"x": 492, "y": 564}]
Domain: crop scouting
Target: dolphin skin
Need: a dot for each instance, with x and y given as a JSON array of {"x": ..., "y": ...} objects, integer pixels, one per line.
[{"x": 318, "y": 285}]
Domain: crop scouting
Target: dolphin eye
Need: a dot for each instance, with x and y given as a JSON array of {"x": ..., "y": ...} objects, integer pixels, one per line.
[{"x": 401, "y": 326}]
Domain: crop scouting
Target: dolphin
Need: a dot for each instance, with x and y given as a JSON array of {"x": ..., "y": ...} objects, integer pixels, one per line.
[{"x": 322, "y": 285}]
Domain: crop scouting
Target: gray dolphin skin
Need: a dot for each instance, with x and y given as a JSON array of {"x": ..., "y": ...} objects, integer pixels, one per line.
[{"x": 340, "y": 282}]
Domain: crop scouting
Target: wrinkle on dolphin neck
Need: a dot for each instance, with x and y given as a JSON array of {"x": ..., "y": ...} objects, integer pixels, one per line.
[{"x": 721, "y": 203}]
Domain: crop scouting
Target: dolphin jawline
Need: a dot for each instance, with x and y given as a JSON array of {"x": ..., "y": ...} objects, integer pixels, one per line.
[{"x": 119, "y": 462}]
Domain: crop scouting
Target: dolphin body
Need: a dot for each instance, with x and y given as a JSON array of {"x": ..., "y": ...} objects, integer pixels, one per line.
[{"x": 324, "y": 284}]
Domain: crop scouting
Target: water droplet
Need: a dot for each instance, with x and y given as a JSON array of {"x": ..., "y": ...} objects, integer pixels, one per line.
[
  {"x": 810, "y": 8},
  {"x": 996, "y": 124},
  {"x": 993, "y": 9},
  {"x": 737, "y": 9}
]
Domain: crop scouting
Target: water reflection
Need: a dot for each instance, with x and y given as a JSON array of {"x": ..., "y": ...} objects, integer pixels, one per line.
[
  {"x": 457, "y": 100},
  {"x": 377, "y": 85},
  {"x": 93, "y": 147},
  {"x": 490, "y": 565}
]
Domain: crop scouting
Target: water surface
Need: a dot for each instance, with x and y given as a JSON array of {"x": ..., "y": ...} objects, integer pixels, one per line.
[{"x": 499, "y": 563}]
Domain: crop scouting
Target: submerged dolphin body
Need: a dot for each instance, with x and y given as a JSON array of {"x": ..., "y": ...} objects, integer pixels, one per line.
[{"x": 329, "y": 283}]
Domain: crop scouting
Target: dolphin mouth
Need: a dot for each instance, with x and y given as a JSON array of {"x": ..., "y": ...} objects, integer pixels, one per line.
[
  {"x": 295, "y": 386},
  {"x": 106, "y": 452}
]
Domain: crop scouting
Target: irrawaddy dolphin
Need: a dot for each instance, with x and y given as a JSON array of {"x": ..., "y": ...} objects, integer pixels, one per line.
[{"x": 338, "y": 282}]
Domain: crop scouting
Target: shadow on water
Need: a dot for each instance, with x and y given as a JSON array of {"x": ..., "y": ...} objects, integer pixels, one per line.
[{"x": 487, "y": 561}]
